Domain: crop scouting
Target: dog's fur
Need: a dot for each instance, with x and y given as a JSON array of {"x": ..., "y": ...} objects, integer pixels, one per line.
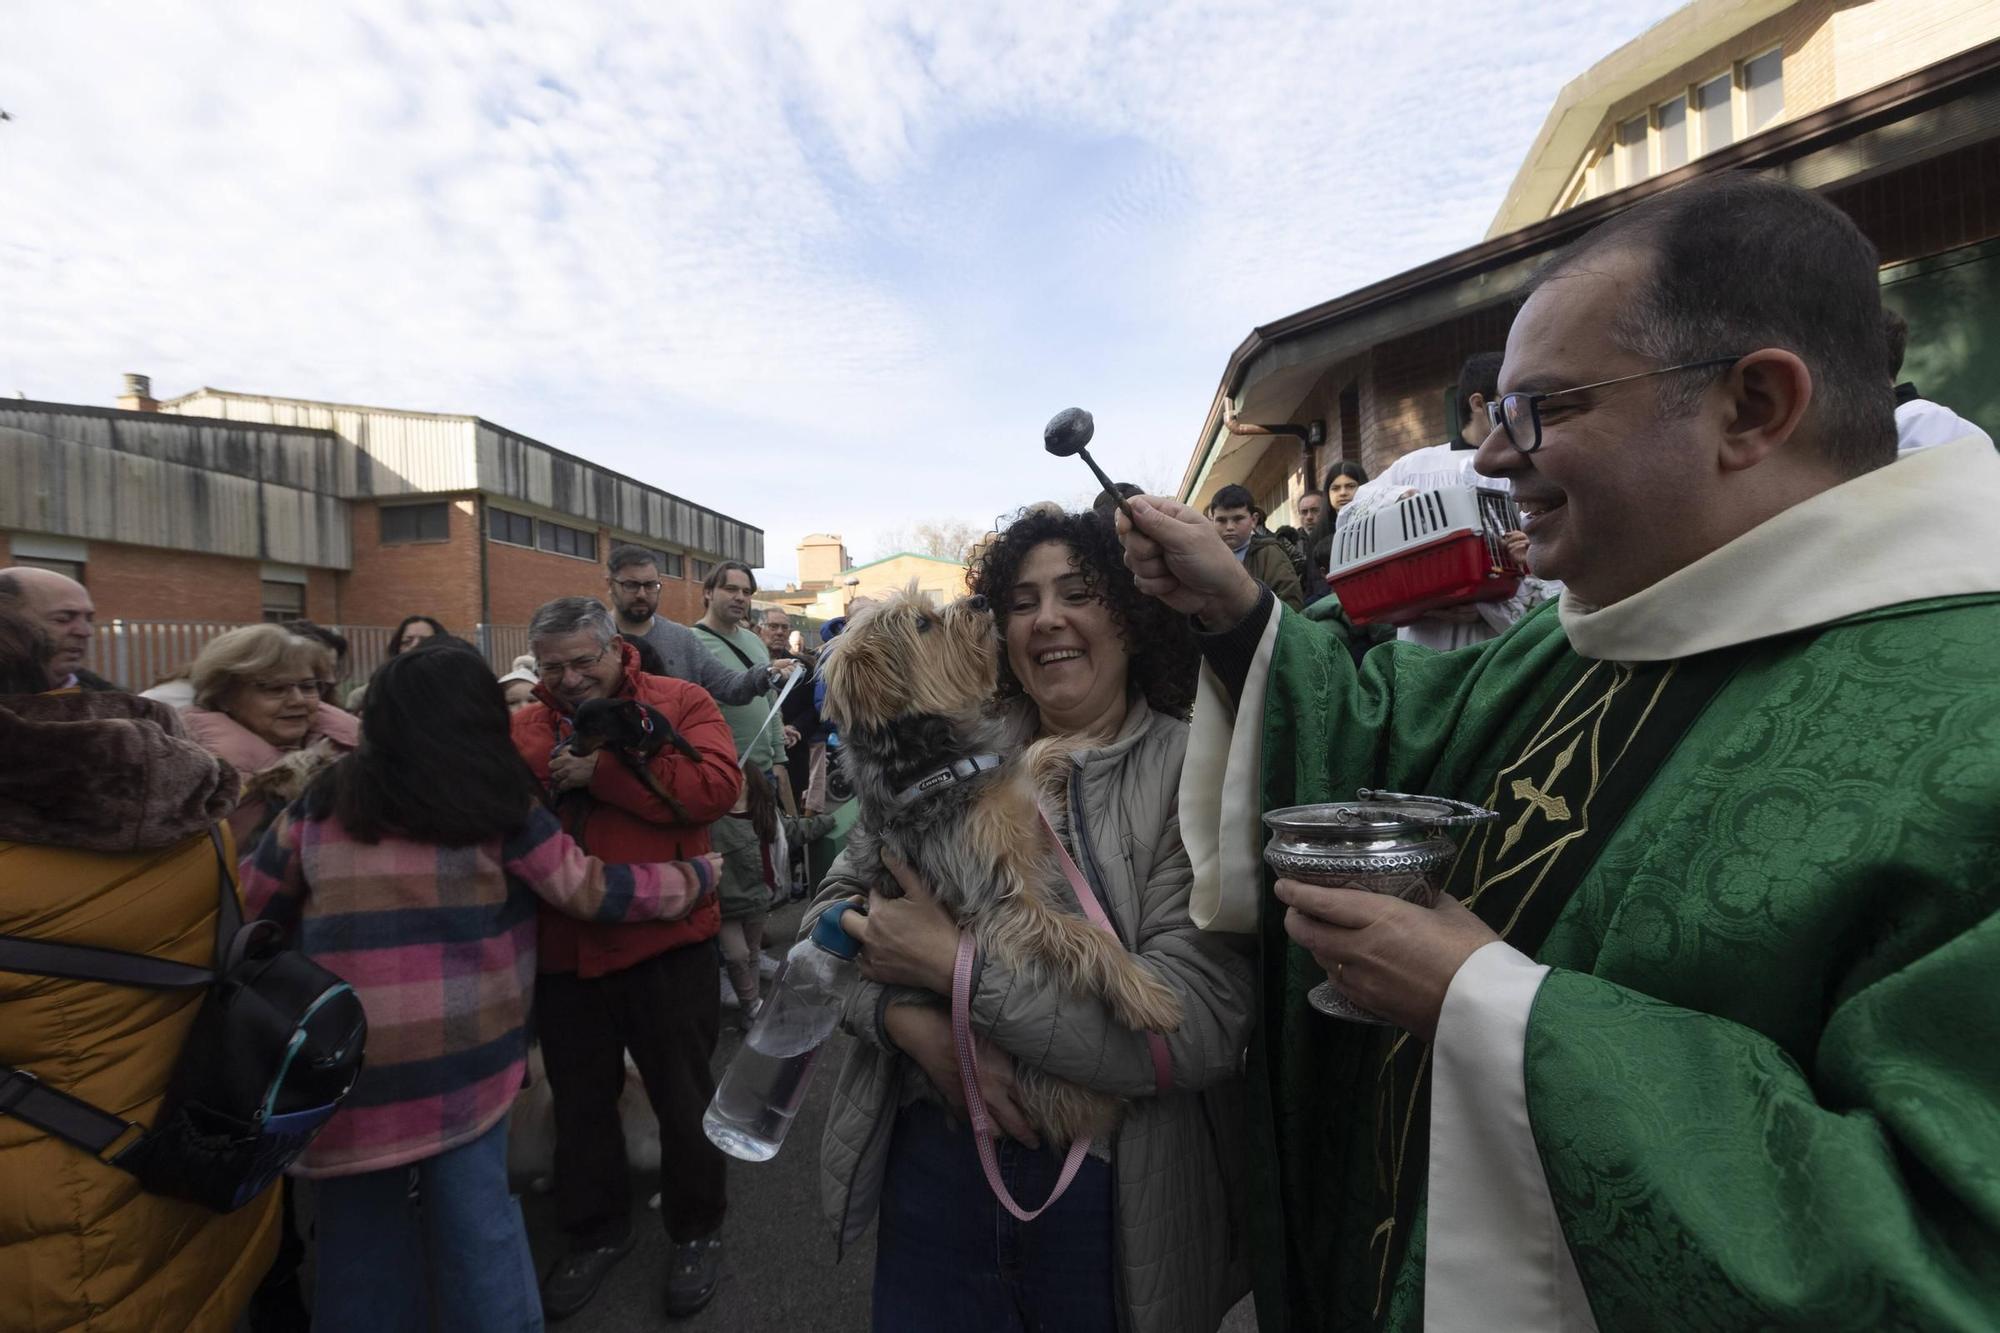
[
  {"x": 285, "y": 781},
  {"x": 620, "y": 726},
  {"x": 911, "y": 689}
]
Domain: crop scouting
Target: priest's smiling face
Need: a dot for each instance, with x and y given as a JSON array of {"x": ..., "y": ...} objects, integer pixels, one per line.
[{"x": 1604, "y": 500}]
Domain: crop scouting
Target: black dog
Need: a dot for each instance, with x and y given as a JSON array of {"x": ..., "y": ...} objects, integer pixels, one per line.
[{"x": 635, "y": 733}]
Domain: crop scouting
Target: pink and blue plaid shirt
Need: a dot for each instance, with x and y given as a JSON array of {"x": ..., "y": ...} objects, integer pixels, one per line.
[{"x": 439, "y": 942}]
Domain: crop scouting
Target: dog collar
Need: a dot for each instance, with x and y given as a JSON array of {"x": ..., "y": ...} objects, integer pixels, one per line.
[{"x": 958, "y": 770}]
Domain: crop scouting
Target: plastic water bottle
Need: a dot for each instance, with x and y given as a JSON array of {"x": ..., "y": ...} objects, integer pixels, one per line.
[{"x": 761, "y": 1090}]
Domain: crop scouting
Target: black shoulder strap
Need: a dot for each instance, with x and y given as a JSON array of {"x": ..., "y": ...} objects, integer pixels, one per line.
[
  {"x": 85, "y": 962},
  {"x": 71, "y": 1119},
  {"x": 81, "y": 962},
  {"x": 741, "y": 656},
  {"x": 228, "y": 909}
]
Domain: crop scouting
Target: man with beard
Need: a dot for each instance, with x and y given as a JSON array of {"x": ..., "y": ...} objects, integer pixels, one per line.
[
  {"x": 634, "y": 584},
  {"x": 725, "y": 634}
]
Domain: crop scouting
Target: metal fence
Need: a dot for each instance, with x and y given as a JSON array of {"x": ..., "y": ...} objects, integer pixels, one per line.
[
  {"x": 502, "y": 644},
  {"x": 135, "y": 654}
]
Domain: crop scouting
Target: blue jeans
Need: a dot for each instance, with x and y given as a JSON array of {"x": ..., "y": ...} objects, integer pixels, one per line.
[
  {"x": 454, "y": 1257},
  {"x": 948, "y": 1256}
]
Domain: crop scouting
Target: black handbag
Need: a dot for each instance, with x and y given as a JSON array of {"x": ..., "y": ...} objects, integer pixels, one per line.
[{"x": 275, "y": 1047}]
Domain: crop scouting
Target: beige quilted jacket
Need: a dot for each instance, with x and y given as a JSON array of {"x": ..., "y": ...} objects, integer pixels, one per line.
[{"x": 1175, "y": 1157}]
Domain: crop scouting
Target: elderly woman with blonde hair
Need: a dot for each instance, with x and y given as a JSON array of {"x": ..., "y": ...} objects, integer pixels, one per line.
[{"x": 257, "y": 704}]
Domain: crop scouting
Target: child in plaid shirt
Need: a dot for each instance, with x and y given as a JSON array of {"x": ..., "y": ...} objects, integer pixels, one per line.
[{"x": 412, "y": 869}]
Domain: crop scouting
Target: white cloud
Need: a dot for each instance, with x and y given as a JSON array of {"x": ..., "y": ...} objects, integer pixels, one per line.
[{"x": 819, "y": 265}]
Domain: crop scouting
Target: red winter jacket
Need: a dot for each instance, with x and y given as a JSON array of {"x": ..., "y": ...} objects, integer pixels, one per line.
[{"x": 626, "y": 822}]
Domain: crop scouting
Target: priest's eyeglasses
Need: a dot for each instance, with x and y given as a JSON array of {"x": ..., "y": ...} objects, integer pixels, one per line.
[{"x": 1520, "y": 414}]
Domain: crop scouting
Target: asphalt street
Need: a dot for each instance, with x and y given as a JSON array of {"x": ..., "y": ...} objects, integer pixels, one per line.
[{"x": 780, "y": 1270}]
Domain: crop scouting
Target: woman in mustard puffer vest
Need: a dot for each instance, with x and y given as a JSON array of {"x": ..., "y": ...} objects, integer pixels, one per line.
[{"x": 104, "y": 815}]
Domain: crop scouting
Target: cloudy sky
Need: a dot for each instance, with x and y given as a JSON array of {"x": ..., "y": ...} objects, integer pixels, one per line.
[{"x": 822, "y": 266}]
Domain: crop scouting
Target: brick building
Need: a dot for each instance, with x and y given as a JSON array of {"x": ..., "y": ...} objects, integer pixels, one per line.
[
  {"x": 1891, "y": 108},
  {"x": 220, "y": 508}
]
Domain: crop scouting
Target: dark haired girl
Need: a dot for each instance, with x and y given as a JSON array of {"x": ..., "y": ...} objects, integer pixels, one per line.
[{"x": 411, "y": 869}]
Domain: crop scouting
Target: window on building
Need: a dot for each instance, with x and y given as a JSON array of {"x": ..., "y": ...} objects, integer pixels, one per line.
[
  {"x": 1632, "y": 164},
  {"x": 1763, "y": 90},
  {"x": 512, "y": 529},
  {"x": 1712, "y": 113},
  {"x": 416, "y": 523},
  {"x": 1672, "y": 119},
  {"x": 702, "y": 569},
  {"x": 568, "y": 541},
  {"x": 284, "y": 601},
  {"x": 69, "y": 569},
  {"x": 673, "y": 565},
  {"x": 1605, "y": 174}
]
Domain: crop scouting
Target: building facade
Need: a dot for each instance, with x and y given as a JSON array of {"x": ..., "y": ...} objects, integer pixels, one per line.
[
  {"x": 222, "y": 508},
  {"x": 830, "y": 583},
  {"x": 1891, "y": 108}
]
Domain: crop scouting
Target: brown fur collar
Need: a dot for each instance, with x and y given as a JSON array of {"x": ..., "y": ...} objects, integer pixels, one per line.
[{"x": 104, "y": 772}]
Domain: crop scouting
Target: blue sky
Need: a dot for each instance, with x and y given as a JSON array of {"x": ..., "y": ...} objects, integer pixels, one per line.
[{"x": 822, "y": 266}]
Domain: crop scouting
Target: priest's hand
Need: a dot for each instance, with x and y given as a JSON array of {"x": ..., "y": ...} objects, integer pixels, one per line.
[
  {"x": 1176, "y": 555},
  {"x": 907, "y": 941},
  {"x": 1388, "y": 956}
]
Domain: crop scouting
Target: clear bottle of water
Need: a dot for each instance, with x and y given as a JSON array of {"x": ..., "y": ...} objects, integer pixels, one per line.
[{"x": 761, "y": 1090}]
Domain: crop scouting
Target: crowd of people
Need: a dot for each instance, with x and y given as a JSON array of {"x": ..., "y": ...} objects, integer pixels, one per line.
[{"x": 1699, "y": 1036}]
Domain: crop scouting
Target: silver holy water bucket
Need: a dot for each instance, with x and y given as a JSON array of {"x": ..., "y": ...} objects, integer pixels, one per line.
[{"x": 1384, "y": 842}]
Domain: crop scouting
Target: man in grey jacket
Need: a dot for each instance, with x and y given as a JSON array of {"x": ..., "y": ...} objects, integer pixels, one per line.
[{"x": 634, "y": 584}]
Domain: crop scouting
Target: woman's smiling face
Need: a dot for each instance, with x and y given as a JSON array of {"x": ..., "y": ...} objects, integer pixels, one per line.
[{"x": 1063, "y": 643}]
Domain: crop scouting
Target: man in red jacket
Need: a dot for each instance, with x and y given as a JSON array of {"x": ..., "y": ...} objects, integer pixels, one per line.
[{"x": 648, "y": 988}]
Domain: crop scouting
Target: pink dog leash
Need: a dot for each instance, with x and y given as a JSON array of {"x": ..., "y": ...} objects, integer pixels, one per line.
[{"x": 968, "y": 1051}]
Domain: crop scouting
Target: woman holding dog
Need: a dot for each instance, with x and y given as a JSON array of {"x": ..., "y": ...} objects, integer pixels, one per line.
[
  {"x": 1147, "y": 1236},
  {"x": 257, "y": 704}
]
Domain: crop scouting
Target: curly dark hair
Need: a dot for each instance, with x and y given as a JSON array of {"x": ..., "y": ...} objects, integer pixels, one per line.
[{"x": 1165, "y": 656}]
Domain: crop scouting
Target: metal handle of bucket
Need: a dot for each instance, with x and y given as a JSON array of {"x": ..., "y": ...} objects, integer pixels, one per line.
[{"x": 1468, "y": 812}]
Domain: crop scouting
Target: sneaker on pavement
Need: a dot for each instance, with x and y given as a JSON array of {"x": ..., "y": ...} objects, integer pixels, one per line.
[
  {"x": 574, "y": 1279},
  {"x": 692, "y": 1278}
]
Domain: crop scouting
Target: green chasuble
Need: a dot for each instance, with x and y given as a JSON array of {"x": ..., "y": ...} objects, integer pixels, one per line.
[{"x": 1760, "y": 1059}]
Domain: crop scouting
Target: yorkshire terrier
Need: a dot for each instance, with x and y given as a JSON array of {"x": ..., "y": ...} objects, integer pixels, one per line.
[
  {"x": 911, "y": 689},
  {"x": 285, "y": 781}
]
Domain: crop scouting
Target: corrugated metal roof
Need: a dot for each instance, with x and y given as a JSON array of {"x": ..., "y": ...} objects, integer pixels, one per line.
[
  {"x": 398, "y": 452},
  {"x": 402, "y": 453},
  {"x": 520, "y": 468},
  {"x": 79, "y": 489},
  {"x": 306, "y": 459}
]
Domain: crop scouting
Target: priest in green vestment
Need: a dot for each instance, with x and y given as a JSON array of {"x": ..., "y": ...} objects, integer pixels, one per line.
[{"x": 1712, "y": 1042}]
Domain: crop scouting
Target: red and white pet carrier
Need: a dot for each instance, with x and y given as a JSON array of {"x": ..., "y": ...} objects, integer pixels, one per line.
[{"x": 1425, "y": 552}]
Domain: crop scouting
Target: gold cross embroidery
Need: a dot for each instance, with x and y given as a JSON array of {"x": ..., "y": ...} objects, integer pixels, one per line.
[{"x": 1555, "y": 809}]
